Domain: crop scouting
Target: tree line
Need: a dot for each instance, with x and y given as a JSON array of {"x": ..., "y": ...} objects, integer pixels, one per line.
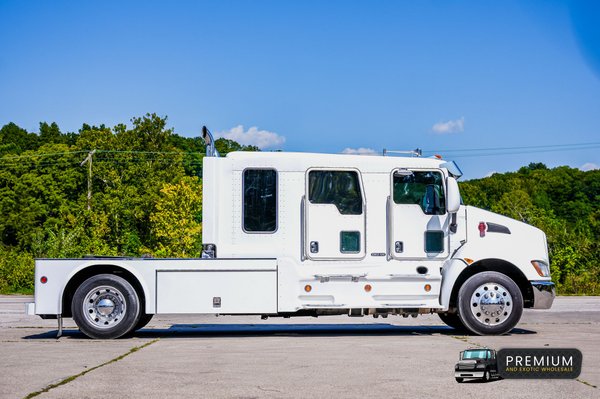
[
  {"x": 144, "y": 187},
  {"x": 142, "y": 196}
]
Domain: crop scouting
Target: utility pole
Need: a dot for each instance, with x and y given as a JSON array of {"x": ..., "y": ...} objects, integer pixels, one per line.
[{"x": 88, "y": 159}]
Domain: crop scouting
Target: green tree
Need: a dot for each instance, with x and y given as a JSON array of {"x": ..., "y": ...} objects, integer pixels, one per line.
[{"x": 176, "y": 220}]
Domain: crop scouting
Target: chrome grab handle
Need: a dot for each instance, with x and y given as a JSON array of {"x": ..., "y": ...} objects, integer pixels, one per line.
[{"x": 323, "y": 278}]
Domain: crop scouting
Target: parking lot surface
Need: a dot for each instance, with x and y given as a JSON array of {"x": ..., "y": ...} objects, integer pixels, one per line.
[{"x": 245, "y": 357}]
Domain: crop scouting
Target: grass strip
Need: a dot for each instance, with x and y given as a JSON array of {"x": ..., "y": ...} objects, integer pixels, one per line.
[{"x": 73, "y": 377}]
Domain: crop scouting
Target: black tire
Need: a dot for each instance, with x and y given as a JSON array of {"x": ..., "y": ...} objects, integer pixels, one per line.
[
  {"x": 452, "y": 320},
  {"x": 486, "y": 376},
  {"x": 144, "y": 320},
  {"x": 91, "y": 304},
  {"x": 510, "y": 295},
  {"x": 459, "y": 379}
]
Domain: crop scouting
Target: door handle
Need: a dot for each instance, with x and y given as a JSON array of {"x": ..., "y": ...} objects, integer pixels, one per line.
[
  {"x": 314, "y": 247},
  {"x": 399, "y": 247}
]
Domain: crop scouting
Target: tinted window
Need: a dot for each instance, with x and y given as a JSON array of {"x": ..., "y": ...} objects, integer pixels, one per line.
[
  {"x": 340, "y": 188},
  {"x": 260, "y": 200},
  {"x": 474, "y": 354},
  {"x": 349, "y": 242},
  {"x": 434, "y": 241},
  {"x": 422, "y": 188}
]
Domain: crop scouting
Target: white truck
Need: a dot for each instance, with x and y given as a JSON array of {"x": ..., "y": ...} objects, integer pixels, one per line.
[{"x": 297, "y": 234}]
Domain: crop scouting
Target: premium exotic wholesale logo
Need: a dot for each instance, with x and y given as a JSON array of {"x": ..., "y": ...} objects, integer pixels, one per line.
[{"x": 539, "y": 363}]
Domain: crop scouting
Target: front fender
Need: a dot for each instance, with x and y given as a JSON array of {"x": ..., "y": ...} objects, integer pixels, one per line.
[{"x": 450, "y": 272}]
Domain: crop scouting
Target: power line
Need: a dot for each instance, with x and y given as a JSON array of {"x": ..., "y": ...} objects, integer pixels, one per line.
[
  {"x": 17, "y": 157},
  {"x": 488, "y": 154},
  {"x": 516, "y": 148},
  {"x": 142, "y": 156}
]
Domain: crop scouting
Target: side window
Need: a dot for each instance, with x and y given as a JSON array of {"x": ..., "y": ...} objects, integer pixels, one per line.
[
  {"x": 341, "y": 188},
  {"x": 260, "y": 200},
  {"x": 422, "y": 188}
]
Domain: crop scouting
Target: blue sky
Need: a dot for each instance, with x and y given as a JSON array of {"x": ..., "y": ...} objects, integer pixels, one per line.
[{"x": 319, "y": 76}]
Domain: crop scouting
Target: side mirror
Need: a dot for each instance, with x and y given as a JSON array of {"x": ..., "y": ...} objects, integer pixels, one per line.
[{"x": 452, "y": 195}]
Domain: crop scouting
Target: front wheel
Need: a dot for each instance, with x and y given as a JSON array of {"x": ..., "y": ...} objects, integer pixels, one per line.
[
  {"x": 486, "y": 376},
  {"x": 459, "y": 379},
  {"x": 490, "y": 303},
  {"x": 105, "y": 306}
]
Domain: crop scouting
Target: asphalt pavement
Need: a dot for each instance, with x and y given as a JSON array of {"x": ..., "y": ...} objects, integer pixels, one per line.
[{"x": 245, "y": 357}]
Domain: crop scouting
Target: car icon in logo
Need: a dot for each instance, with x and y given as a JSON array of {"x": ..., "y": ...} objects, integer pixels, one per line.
[{"x": 476, "y": 364}]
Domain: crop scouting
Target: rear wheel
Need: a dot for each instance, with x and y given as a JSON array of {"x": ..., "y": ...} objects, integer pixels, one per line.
[
  {"x": 105, "y": 306},
  {"x": 452, "y": 320},
  {"x": 490, "y": 303},
  {"x": 144, "y": 320}
]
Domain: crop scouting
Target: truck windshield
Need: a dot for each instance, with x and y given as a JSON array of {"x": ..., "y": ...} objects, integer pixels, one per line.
[{"x": 474, "y": 354}]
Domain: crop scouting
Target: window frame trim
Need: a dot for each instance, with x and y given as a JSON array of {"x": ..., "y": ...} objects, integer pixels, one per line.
[{"x": 276, "y": 200}]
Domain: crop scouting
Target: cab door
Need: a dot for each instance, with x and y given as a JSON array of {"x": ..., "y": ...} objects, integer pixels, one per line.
[
  {"x": 419, "y": 223},
  {"x": 335, "y": 215}
]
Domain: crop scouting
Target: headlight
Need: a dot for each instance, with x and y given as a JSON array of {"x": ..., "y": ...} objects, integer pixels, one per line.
[{"x": 541, "y": 268}]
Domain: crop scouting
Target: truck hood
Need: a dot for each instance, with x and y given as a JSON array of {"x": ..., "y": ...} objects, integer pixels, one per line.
[
  {"x": 504, "y": 238},
  {"x": 512, "y": 224}
]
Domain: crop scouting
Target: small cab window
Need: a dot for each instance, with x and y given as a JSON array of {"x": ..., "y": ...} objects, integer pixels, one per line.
[
  {"x": 260, "y": 200},
  {"x": 340, "y": 188},
  {"x": 423, "y": 188}
]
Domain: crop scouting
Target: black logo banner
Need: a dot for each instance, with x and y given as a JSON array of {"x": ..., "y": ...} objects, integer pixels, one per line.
[{"x": 543, "y": 363}]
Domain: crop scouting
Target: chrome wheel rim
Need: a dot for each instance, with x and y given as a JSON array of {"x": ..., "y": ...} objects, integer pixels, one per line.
[
  {"x": 104, "y": 307},
  {"x": 491, "y": 304}
]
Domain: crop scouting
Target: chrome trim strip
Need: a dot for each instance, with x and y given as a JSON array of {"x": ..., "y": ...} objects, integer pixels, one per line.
[{"x": 468, "y": 374}]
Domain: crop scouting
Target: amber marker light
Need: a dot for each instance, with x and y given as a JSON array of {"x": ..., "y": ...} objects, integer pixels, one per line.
[
  {"x": 468, "y": 260},
  {"x": 368, "y": 288},
  {"x": 427, "y": 287},
  {"x": 307, "y": 288},
  {"x": 541, "y": 268}
]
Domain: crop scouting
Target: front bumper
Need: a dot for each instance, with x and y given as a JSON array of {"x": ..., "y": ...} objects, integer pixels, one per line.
[
  {"x": 468, "y": 374},
  {"x": 544, "y": 293}
]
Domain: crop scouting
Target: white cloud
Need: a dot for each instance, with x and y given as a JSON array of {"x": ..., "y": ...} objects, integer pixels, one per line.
[
  {"x": 493, "y": 172},
  {"x": 259, "y": 138},
  {"x": 589, "y": 166},
  {"x": 455, "y": 126},
  {"x": 360, "y": 151}
]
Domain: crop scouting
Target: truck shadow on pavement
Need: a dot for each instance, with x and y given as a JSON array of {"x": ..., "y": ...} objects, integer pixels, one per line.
[{"x": 260, "y": 330}]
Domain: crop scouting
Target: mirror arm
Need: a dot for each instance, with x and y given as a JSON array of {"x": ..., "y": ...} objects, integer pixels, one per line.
[{"x": 453, "y": 224}]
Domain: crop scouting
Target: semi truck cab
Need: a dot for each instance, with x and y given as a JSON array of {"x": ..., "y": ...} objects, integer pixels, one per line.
[{"x": 476, "y": 364}]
